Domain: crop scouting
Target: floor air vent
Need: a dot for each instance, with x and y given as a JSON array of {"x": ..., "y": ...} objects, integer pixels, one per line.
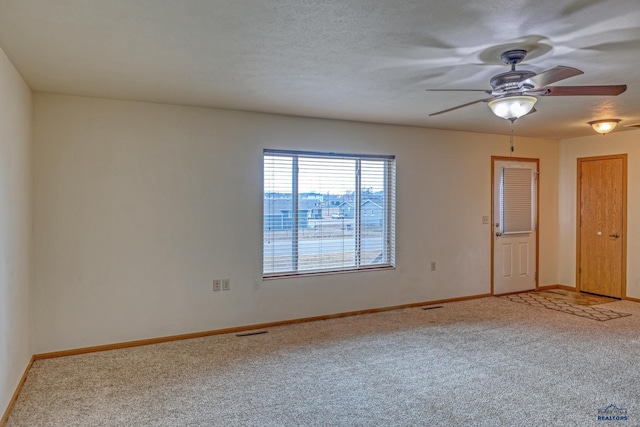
[{"x": 248, "y": 334}]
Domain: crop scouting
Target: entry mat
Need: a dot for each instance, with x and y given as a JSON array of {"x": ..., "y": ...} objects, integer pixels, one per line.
[
  {"x": 576, "y": 298},
  {"x": 551, "y": 300}
]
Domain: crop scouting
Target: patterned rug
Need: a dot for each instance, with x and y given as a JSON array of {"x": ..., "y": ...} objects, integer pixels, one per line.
[
  {"x": 565, "y": 305},
  {"x": 576, "y": 297}
]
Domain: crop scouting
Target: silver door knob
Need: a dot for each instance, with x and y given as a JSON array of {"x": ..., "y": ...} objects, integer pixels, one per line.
[
  {"x": 498, "y": 233},
  {"x": 616, "y": 235}
]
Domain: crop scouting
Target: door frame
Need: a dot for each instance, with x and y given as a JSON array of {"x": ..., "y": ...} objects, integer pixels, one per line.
[
  {"x": 493, "y": 196},
  {"x": 580, "y": 160}
]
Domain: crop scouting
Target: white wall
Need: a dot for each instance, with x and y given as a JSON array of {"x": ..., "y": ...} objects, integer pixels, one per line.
[
  {"x": 15, "y": 228},
  {"x": 139, "y": 206},
  {"x": 620, "y": 141}
]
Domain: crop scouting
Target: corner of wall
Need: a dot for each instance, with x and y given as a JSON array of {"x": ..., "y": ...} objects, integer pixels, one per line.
[{"x": 16, "y": 237}]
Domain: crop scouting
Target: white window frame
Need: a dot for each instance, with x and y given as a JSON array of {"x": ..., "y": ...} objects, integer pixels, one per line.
[{"x": 389, "y": 224}]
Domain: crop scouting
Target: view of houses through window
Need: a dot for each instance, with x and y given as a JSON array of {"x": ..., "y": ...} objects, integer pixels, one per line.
[{"x": 311, "y": 223}]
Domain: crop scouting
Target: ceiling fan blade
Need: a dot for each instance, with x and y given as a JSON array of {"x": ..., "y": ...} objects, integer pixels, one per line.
[
  {"x": 461, "y": 106},
  {"x": 554, "y": 75},
  {"x": 610, "y": 90}
]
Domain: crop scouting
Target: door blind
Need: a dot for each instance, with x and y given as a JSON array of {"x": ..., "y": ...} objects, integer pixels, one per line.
[{"x": 516, "y": 204}]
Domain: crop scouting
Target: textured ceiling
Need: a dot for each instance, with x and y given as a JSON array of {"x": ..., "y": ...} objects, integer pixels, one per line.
[{"x": 355, "y": 60}]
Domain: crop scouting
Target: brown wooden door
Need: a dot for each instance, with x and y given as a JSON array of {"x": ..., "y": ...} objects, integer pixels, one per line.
[{"x": 601, "y": 225}]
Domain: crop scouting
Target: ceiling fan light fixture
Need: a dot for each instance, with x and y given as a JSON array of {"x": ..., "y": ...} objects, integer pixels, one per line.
[
  {"x": 512, "y": 107},
  {"x": 604, "y": 126}
]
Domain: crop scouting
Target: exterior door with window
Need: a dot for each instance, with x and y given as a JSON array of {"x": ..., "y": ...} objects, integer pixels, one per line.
[{"x": 514, "y": 230}]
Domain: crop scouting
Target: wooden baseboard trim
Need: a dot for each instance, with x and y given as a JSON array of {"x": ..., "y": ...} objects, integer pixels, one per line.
[
  {"x": 237, "y": 329},
  {"x": 515, "y": 293},
  {"x": 567, "y": 288},
  {"x": 543, "y": 288},
  {"x": 5, "y": 417},
  {"x": 574, "y": 289},
  {"x": 558, "y": 286}
]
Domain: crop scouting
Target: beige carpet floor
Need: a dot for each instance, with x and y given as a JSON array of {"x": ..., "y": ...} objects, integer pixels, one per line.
[{"x": 484, "y": 362}]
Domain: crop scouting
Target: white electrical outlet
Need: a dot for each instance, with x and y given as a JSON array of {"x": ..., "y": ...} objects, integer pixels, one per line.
[
  {"x": 485, "y": 219},
  {"x": 217, "y": 284},
  {"x": 226, "y": 284}
]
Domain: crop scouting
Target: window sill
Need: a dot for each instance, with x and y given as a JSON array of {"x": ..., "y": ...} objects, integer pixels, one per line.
[{"x": 326, "y": 273}]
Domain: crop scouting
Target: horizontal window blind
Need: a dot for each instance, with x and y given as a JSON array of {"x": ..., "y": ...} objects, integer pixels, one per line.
[
  {"x": 327, "y": 212},
  {"x": 517, "y": 200}
]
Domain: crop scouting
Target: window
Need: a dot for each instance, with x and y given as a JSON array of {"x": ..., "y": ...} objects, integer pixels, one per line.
[
  {"x": 311, "y": 223},
  {"x": 517, "y": 197}
]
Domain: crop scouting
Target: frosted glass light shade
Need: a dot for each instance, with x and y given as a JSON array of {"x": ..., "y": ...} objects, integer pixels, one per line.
[
  {"x": 604, "y": 126},
  {"x": 512, "y": 107}
]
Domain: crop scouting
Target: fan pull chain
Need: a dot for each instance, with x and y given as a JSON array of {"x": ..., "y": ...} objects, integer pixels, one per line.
[{"x": 511, "y": 147}]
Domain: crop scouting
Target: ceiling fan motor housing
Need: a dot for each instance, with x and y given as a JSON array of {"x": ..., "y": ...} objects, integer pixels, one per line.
[
  {"x": 514, "y": 80},
  {"x": 511, "y": 81}
]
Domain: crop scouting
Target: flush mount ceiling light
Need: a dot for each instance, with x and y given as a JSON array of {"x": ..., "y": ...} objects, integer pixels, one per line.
[
  {"x": 512, "y": 107},
  {"x": 604, "y": 126}
]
